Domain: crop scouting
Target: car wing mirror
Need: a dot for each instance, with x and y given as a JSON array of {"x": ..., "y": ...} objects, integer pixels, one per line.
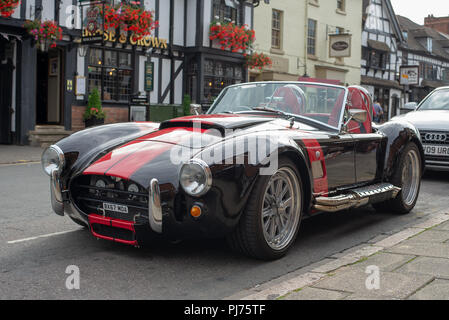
[
  {"x": 195, "y": 109},
  {"x": 357, "y": 115}
]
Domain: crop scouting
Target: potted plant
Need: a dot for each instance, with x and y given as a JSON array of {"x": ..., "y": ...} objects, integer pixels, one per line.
[
  {"x": 258, "y": 60},
  {"x": 45, "y": 34},
  {"x": 7, "y": 7},
  {"x": 232, "y": 37},
  {"x": 186, "y": 102},
  {"x": 130, "y": 17},
  {"x": 94, "y": 114}
]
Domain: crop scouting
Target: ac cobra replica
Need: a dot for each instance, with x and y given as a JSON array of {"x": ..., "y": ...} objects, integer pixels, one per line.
[{"x": 265, "y": 156}]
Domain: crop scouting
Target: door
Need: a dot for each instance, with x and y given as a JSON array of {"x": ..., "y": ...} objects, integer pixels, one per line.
[
  {"x": 48, "y": 87},
  {"x": 6, "y": 70}
]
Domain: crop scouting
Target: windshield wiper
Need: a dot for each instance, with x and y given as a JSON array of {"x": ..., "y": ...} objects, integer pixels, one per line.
[{"x": 272, "y": 110}]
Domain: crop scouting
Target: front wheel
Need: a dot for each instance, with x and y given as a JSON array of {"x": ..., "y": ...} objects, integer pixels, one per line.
[
  {"x": 408, "y": 178},
  {"x": 270, "y": 223}
]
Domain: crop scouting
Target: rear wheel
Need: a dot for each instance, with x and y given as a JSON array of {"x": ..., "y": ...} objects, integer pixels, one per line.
[
  {"x": 270, "y": 223},
  {"x": 408, "y": 178}
]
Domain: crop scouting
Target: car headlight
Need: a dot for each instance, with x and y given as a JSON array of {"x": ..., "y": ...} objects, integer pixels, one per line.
[
  {"x": 195, "y": 177},
  {"x": 52, "y": 159}
]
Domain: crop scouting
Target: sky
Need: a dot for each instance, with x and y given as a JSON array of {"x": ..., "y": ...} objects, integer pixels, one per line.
[{"x": 416, "y": 10}]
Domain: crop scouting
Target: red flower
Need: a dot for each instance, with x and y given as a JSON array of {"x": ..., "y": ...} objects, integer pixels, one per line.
[{"x": 231, "y": 36}]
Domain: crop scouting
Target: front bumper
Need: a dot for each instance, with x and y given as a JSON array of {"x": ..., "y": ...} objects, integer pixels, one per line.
[
  {"x": 161, "y": 218},
  {"x": 437, "y": 165}
]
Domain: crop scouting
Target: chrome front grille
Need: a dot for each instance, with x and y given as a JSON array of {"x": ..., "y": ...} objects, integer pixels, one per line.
[
  {"x": 90, "y": 192},
  {"x": 435, "y": 137}
]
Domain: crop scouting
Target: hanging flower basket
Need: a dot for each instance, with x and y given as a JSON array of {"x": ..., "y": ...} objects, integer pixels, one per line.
[
  {"x": 7, "y": 7},
  {"x": 258, "y": 60},
  {"x": 46, "y": 33},
  {"x": 130, "y": 18},
  {"x": 232, "y": 37}
]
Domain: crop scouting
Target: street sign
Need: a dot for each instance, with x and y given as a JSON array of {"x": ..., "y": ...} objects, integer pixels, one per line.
[
  {"x": 409, "y": 75},
  {"x": 149, "y": 75}
]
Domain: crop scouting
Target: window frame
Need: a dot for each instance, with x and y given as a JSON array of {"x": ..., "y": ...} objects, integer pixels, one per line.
[
  {"x": 234, "y": 14},
  {"x": 278, "y": 30},
  {"x": 311, "y": 37},
  {"x": 341, "y": 5},
  {"x": 117, "y": 68}
]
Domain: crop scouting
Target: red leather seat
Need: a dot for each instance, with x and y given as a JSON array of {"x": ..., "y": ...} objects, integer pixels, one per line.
[{"x": 291, "y": 104}]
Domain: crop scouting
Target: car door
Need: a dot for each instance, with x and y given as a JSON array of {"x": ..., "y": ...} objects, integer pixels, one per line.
[{"x": 366, "y": 142}]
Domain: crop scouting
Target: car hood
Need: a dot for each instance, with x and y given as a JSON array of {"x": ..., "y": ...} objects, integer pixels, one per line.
[
  {"x": 427, "y": 119},
  {"x": 156, "y": 154}
]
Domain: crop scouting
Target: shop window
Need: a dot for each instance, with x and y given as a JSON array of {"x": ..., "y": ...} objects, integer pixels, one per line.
[
  {"x": 111, "y": 72},
  {"x": 429, "y": 71},
  {"x": 218, "y": 75},
  {"x": 226, "y": 10},
  {"x": 445, "y": 74}
]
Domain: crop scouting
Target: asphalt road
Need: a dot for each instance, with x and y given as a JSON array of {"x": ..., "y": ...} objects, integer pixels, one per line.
[{"x": 36, "y": 247}]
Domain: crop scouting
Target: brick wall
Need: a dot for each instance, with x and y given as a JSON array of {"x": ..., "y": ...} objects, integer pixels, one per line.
[
  {"x": 440, "y": 24},
  {"x": 113, "y": 115}
]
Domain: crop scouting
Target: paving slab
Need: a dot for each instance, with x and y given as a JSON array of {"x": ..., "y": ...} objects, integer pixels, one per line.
[
  {"x": 436, "y": 290},
  {"x": 421, "y": 249},
  {"x": 438, "y": 236},
  {"x": 353, "y": 279},
  {"x": 360, "y": 296},
  {"x": 438, "y": 267},
  {"x": 385, "y": 261},
  {"x": 443, "y": 226},
  {"x": 317, "y": 294}
]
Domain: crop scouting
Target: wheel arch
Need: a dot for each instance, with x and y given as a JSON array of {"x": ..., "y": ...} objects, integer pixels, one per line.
[
  {"x": 399, "y": 134},
  {"x": 299, "y": 159}
]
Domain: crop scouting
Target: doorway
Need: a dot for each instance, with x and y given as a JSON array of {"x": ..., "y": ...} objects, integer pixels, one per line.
[
  {"x": 48, "y": 88},
  {"x": 6, "y": 87}
]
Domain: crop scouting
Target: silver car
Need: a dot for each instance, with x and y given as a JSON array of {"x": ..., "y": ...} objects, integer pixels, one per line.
[{"x": 431, "y": 117}]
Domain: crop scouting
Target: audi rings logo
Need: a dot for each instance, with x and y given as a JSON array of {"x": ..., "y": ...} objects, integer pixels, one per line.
[{"x": 436, "y": 137}]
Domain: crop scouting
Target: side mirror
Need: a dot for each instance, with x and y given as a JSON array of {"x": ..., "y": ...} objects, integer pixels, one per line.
[
  {"x": 409, "y": 106},
  {"x": 357, "y": 115},
  {"x": 195, "y": 109}
]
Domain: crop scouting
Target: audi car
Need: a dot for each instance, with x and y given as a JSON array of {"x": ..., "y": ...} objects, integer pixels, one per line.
[
  {"x": 264, "y": 156},
  {"x": 431, "y": 118}
]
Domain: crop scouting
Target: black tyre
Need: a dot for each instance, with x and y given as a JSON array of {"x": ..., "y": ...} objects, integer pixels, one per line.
[
  {"x": 271, "y": 220},
  {"x": 408, "y": 178}
]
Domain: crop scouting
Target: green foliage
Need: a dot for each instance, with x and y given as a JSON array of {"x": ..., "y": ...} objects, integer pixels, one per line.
[
  {"x": 186, "y": 104},
  {"x": 94, "y": 109}
]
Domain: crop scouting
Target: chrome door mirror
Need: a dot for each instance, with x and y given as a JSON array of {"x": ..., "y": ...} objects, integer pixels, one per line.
[
  {"x": 195, "y": 109},
  {"x": 358, "y": 115}
]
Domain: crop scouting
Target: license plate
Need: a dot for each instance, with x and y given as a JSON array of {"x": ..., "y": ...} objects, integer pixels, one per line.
[
  {"x": 115, "y": 207},
  {"x": 435, "y": 150}
]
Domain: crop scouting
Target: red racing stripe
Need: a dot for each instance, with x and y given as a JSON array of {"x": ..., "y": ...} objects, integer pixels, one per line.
[{"x": 320, "y": 185}]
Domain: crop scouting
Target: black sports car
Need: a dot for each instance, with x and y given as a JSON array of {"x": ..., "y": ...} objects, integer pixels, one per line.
[{"x": 264, "y": 156}]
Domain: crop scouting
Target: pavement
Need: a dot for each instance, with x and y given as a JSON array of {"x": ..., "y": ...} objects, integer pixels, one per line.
[
  {"x": 412, "y": 264},
  {"x": 10, "y": 154}
]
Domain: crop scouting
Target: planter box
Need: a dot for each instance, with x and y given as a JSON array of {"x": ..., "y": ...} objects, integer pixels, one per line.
[
  {"x": 159, "y": 113},
  {"x": 93, "y": 122}
]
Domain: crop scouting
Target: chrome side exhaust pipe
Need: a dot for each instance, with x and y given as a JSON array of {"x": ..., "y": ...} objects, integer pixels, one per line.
[{"x": 357, "y": 197}]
